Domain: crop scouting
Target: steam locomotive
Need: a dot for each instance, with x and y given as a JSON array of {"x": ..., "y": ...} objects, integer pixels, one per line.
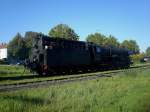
[{"x": 56, "y": 55}]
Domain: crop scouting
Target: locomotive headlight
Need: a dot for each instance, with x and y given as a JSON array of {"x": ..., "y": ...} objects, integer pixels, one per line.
[{"x": 46, "y": 47}]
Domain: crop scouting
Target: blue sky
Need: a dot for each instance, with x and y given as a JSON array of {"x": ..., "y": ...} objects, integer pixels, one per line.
[{"x": 124, "y": 19}]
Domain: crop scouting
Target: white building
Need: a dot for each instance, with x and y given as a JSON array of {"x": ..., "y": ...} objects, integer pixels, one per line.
[{"x": 3, "y": 51}]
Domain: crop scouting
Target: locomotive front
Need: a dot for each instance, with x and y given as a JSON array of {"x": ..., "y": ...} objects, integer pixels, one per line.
[{"x": 36, "y": 58}]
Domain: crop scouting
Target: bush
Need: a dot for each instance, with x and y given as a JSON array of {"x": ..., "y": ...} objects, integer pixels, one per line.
[{"x": 136, "y": 57}]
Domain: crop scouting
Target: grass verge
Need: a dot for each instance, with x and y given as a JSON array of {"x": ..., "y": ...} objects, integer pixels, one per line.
[
  {"x": 127, "y": 92},
  {"x": 13, "y": 71},
  {"x": 16, "y": 75}
]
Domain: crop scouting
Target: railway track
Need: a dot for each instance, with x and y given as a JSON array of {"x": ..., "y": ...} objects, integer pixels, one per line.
[{"x": 35, "y": 84}]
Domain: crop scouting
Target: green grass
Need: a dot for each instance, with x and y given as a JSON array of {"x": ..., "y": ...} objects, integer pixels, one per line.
[
  {"x": 12, "y": 71},
  {"x": 21, "y": 79},
  {"x": 140, "y": 64},
  {"x": 16, "y": 75},
  {"x": 127, "y": 92}
]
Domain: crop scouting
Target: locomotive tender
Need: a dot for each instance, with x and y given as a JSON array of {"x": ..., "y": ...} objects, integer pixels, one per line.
[{"x": 51, "y": 55}]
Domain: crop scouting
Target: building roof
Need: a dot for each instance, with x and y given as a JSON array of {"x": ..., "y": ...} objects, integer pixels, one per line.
[{"x": 3, "y": 45}]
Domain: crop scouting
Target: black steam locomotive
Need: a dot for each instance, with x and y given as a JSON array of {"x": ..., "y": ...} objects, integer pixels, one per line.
[{"x": 54, "y": 55}]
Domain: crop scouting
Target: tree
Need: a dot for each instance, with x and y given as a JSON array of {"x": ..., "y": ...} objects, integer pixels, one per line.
[
  {"x": 28, "y": 40},
  {"x": 131, "y": 45},
  {"x": 101, "y": 39},
  {"x": 148, "y": 51},
  {"x": 137, "y": 57},
  {"x": 63, "y": 31},
  {"x": 97, "y": 38},
  {"x": 17, "y": 48},
  {"x": 111, "y": 41}
]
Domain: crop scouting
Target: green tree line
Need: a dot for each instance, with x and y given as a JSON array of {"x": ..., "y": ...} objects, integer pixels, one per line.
[{"x": 20, "y": 47}]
